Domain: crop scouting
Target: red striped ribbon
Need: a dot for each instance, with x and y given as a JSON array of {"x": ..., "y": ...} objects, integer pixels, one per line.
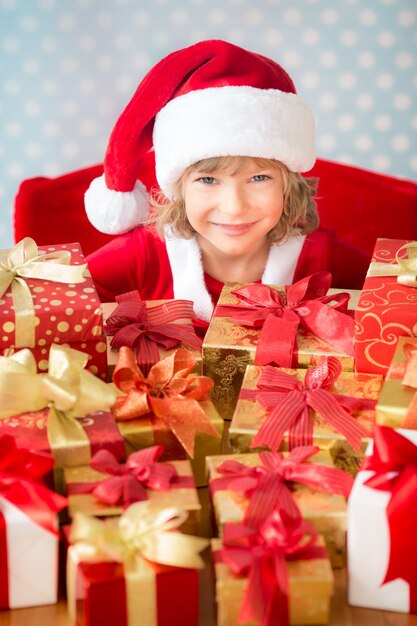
[
  {"x": 288, "y": 402},
  {"x": 146, "y": 330},
  {"x": 278, "y": 317},
  {"x": 129, "y": 481}
]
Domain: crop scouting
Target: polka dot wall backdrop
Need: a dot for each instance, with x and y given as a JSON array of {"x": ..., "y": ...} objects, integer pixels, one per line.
[{"x": 67, "y": 69}]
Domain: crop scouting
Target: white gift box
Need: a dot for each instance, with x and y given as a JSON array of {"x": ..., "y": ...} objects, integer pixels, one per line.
[
  {"x": 32, "y": 555},
  {"x": 368, "y": 546}
]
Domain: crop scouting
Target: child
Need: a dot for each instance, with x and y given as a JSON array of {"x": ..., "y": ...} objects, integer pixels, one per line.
[{"x": 230, "y": 137}]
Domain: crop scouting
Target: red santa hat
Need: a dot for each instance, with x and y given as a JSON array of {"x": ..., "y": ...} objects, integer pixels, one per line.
[{"x": 210, "y": 99}]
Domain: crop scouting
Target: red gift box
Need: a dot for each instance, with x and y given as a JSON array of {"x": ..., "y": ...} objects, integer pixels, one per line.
[
  {"x": 64, "y": 312},
  {"x": 387, "y": 308}
]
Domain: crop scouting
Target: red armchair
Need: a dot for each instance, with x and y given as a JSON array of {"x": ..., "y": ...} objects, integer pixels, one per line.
[{"x": 358, "y": 204}]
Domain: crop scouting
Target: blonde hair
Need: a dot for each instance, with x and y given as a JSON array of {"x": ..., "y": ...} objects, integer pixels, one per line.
[{"x": 299, "y": 214}]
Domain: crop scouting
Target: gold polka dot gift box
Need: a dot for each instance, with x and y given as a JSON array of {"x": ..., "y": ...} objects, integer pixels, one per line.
[{"x": 47, "y": 297}]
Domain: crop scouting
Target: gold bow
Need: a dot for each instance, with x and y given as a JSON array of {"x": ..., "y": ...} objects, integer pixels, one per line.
[
  {"x": 67, "y": 389},
  {"x": 144, "y": 531},
  {"x": 405, "y": 268},
  {"x": 26, "y": 261}
]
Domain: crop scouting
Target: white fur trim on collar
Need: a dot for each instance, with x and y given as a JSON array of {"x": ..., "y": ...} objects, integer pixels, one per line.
[{"x": 188, "y": 273}]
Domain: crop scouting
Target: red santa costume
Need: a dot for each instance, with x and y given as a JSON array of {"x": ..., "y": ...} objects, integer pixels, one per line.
[{"x": 210, "y": 99}]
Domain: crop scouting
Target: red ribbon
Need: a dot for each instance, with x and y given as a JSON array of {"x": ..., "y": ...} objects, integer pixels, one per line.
[
  {"x": 394, "y": 453},
  {"x": 19, "y": 471},
  {"x": 145, "y": 330},
  {"x": 261, "y": 555},
  {"x": 305, "y": 303},
  {"x": 266, "y": 485},
  {"x": 288, "y": 403},
  {"x": 129, "y": 481}
]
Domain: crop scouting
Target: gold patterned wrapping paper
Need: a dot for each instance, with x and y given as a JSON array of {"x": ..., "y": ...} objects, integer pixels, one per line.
[
  {"x": 249, "y": 415},
  {"x": 326, "y": 511},
  {"x": 109, "y": 307},
  {"x": 184, "y": 497},
  {"x": 397, "y": 404},
  {"x": 228, "y": 348},
  {"x": 311, "y": 585},
  {"x": 142, "y": 432}
]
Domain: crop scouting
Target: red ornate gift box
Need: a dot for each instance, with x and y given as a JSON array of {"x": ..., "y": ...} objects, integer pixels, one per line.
[
  {"x": 62, "y": 311},
  {"x": 387, "y": 307}
]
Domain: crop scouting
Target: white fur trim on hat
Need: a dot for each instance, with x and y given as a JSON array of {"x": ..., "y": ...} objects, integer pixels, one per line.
[
  {"x": 115, "y": 212},
  {"x": 232, "y": 121},
  {"x": 188, "y": 273}
]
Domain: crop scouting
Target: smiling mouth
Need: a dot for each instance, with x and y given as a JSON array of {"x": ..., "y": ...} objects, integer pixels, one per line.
[{"x": 234, "y": 229}]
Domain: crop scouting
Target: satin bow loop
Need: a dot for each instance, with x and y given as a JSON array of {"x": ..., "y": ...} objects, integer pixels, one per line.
[
  {"x": 279, "y": 317},
  {"x": 288, "y": 405},
  {"x": 405, "y": 267},
  {"x": 26, "y": 261},
  {"x": 166, "y": 392}
]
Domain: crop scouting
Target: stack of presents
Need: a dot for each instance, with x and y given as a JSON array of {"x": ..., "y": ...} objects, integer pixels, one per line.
[{"x": 296, "y": 416}]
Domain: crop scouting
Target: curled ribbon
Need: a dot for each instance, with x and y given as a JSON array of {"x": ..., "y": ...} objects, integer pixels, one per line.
[
  {"x": 288, "y": 402},
  {"x": 167, "y": 392},
  {"x": 261, "y": 555},
  {"x": 144, "y": 531},
  {"x": 67, "y": 390},
  {"x": 278, "y": 318},
  {"x": 26, "y": 261},
  {"x": 267, "y": 485},
  {"x": 405, "y": 267},
  {"x": 128, "y": 482},
  {"x": 147, "y": 329},
  {"x": 394, "y": 463}
]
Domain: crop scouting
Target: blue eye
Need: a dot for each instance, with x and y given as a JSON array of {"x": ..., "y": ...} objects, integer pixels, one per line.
[
  {"x": 207, "y": 180},
  {"x": 260, "y": 178}
]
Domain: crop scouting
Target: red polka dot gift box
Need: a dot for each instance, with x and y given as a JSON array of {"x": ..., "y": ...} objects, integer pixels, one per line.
[{"x": 48, "y": 297}]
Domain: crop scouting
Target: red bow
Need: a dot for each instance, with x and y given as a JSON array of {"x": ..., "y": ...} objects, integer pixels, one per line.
[
  {"x": 278, "y": 318},
  {"x": 147, "y": 329},
  {"x": 288, "y": 403},
  {"x": 129, "y": 481},
  {"x": 266, "y": 485},
  {"x": 261, "y": 555},
  {"x": 393, "y": 453}
]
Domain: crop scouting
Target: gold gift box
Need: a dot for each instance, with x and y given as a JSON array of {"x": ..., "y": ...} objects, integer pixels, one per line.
[
  {"x": 229, "y": 347},
  {"x": 109, "y": 307},
  {"x": 326, "y": 511},
  {"x": 397, "y": 404},
  {"x": 311, "y": 585},
  {"x": 185, "y": 497},
  {"x": 141, "y": 433},
  {"x": 249, "y": 416}
]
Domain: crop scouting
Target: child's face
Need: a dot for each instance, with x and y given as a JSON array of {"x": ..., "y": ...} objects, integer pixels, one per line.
[{"x": 234, "y": 211}]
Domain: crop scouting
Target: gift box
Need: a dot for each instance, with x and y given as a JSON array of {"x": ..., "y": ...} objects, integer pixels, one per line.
[
  {"x": 139, "y": 572},
  {"x": 169, "y": 407},
  {"x": 382, "y": 549},
  {"x": 387, "y": 306},
  {"x": 104, "y": 488},
  {"x": 50, "y": 298},
  {"x": 152, "y": 328},
  {"x": 252, "y": 325},
  {"x": 397, "y": 403},
  {"x": 281, "y": 408},
  {"x": 304, "y": 477},
  {"x": 58, "y": 412},
  {"x": 247, "y": 587},
  {"x": 28, "y": 529}
]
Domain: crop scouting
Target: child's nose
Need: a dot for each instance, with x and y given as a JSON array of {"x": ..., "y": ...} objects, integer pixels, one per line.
[{"x": 235, "y": 201}]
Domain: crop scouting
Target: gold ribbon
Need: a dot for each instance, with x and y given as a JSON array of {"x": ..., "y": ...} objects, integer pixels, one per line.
[
  {"x": 405, "y": 268},
  {"x": 145, "y": 532},
  {"x": 67, "y": 389},
  {"x": 26, "y": 261}
]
